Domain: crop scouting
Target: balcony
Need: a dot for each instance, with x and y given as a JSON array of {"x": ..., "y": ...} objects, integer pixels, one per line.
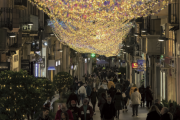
[
  {"x": 9, "y": 19},
  {"x": 173, "y": 14},
  {"x": 20, "y": 4}
]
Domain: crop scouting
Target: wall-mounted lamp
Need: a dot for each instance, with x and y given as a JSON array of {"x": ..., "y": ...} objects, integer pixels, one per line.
[
  {"x": 45, "y": 44},
  {"x": 128, "y": 45},
  {"x": 29, "y": 23},
  {"x": 76, "y": 52},
  {"x": 12, "y": 35},
  {"x": 161, "y": 39},
  {"x": 143, "y": 30},
  {"x": 60, "y": 50},
  {"x": 124, "y": 52},
  {"x": 136, "y": 34},
  {"x": 41, "y": 29}
]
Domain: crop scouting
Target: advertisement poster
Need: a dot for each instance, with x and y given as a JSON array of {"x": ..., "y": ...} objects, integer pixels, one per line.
[{"x": 140, "y": 65}]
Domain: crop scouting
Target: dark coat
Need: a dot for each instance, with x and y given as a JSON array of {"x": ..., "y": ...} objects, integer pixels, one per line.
[
  {"x": 149, "y": 95},
  {"x": 75, "y": 112},
  {"x": 88, "y": 90},
  {"x": 126, "y": 82},
  {"x": 153, "y": 116},
  {"x": 119, "y": 86},
  {"x": 127, "y": 93},
  {"x": 72, "y": 96},
  {"x": 143, "y": 93},
  {"x": 40, "y": 117},
  {"x": 112, "y": 92},
  {"x": 118, "y": 101},
  {"x": 75, "y": 86},
  {"x": 100, "y": 91},
  {"x": 108, "y": 111},
  {"x": 93, "y": 97},
  {"x": 166, "y": 116},
  {"x": 89, "y": 115},
  {"x": 101, "y": 101},
  {"x": 115, "y": 80}
]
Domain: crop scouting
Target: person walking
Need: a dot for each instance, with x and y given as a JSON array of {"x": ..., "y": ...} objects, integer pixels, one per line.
[
  {"x": 63, "y": 108},
  {"x": 108, "y": 110},
  {"x": 112, "y": 91},
  {"x": 136, "y": 101},
  {"x": 101, "y": 101},
  {"x": 82, "y": 92},
  {"x": 132, "y": 89},
  {"x": 64, "y": 116},
  {"x": 118, "y": 102},
  {"x": 100, "y": 91},
  {"x": 71, "y": 97},
  {"x": 124, "y": 101},
  {"x": 149, "y": 97},
  {"x": 154, "y": 113},
  {"x": 44, "y": 115},
  {"x": 85, "y": 111},
  {"x": 165, "y": 115},
  {"x": 88, "y": 90},
  {"x": 142, "y": 92},
  {"x": 110, "y": 84},
  {"x": 93, "y": 98},
  {"x": 74, "y": 109}
]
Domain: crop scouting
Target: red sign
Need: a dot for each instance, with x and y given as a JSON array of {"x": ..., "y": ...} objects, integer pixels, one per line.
[{"x": 134, "y": 65}]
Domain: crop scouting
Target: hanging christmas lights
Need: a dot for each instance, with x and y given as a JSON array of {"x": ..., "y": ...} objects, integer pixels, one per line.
[{"x": 96, "y": 26}]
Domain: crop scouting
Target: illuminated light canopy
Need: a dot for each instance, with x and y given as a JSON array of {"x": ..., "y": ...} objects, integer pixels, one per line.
[{"x": 96, "y": 26}]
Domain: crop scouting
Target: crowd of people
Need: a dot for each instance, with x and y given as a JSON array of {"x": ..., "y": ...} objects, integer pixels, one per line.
[{"x": 112, "y": 93}]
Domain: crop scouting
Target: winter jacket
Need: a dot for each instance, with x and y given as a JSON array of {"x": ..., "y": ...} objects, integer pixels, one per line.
[
  {"x": 108, "y": 111},
  {"x": 72, "y": 96},
  {"x": 153, "y": 116},
  {"x": 165, "y": 116},
  {"x": 40, "y": 117},
  {"x": 82, "y": 89},
  {"x": 100, "y": 91},
  {"x": 126, "y": 82},
  {"x": 160, "y": 106},
  {"x": 93, "y": 97},
  {"x": 142, "y": 91},
  {"x": 127, "y": 93},
  {"x": 101, "y": 101},
  {"x": 132, "y": 90},
  {"x": 149, "y": 95},
  {"x": 89, "y": 113},
  {"x": 112, "y": 92},
  {"x": 110, "y": 83},
  {"x": 118, "y": 101},
  {"x": 58, "y": 115},
  {"x": 75, "y": 112},
  {"x": 119, "y": 86},
  {"x": 136, "y": 98},
  {"x": 88, "y": 90},
  {"x": 115, "y": 80},
  {"x": 75, "y": 86}
]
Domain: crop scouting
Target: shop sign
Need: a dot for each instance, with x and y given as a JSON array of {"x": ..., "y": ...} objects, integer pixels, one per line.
[
  {"x": 140, "y": 65},
  {"x": 134, "y": 65},
  {"x": 4, "y": 66}
]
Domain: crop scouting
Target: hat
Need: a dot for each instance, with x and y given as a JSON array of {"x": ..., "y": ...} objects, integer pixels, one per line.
[{"x": 73, "y": 102}]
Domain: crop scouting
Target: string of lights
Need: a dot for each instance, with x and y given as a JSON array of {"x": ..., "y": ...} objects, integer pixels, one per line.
[{"x": 96, "y": 26}]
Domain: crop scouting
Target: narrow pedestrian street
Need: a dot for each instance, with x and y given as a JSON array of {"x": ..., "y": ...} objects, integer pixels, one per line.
[{"x": 124, "y": 116}]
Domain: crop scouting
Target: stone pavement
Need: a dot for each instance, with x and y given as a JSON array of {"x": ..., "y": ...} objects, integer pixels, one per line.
[{"x": 142, "y": 114}]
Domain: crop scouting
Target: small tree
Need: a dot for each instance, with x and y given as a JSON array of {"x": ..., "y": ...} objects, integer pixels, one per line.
[
  {"x": 22, "y": 95},
  {"x": 48, "y": 88},
  {"x": 62, "y": 80}
]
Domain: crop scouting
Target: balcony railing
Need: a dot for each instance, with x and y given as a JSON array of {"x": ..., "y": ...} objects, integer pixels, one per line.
[
  {"x": 9, "y": 18},
  {"x": 173, "y": 13},
  {"x": 153, "y": 26}
]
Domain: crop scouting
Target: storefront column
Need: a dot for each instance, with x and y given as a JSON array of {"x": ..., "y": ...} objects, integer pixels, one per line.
[{"x": 64, "y": 59}]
